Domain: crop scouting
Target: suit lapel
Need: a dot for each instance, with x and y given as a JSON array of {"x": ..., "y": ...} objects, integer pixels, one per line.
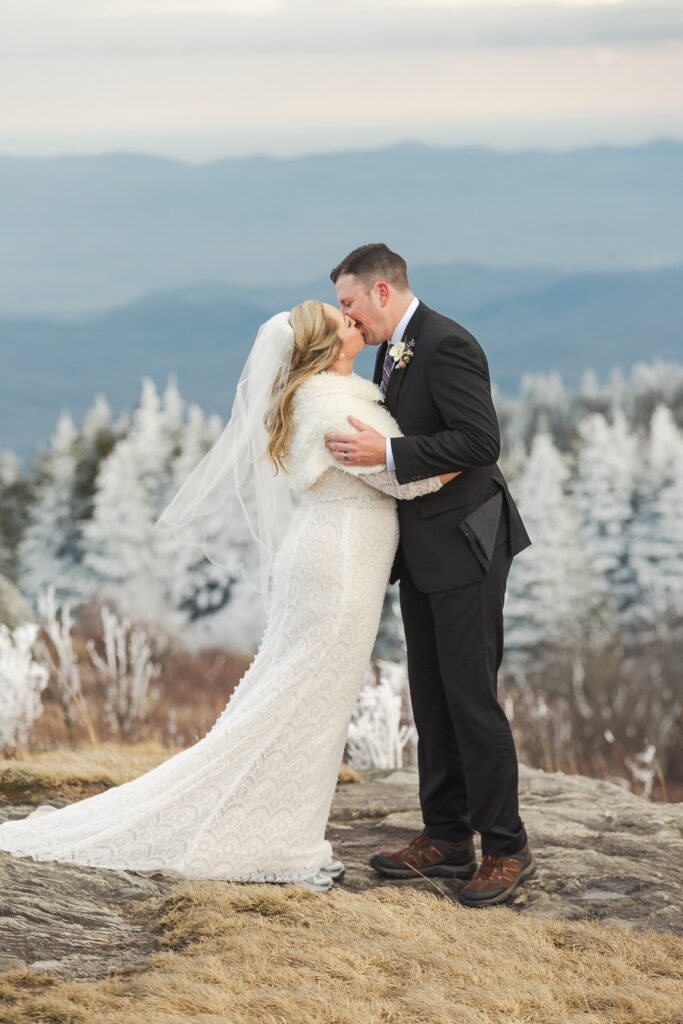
[
  {"x": 379, "y": 363},
  {"x": 413, "y": 329}
]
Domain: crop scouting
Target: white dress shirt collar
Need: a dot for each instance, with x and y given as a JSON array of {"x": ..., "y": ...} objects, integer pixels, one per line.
[{"x": 400, "y": 328}]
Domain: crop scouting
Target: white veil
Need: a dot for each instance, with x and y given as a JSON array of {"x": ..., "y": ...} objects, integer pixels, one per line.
[{"x": 236, "y": 474}]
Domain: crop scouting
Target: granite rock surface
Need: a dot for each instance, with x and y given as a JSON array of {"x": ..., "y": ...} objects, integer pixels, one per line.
[{"x": 602, "y": 853}]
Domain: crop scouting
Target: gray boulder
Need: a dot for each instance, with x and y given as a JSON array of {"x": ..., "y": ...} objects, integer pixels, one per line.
[{"x": 14, "y": 608}]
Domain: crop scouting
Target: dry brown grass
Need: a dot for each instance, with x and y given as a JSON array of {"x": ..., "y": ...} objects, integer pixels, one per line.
[
  {"x": 598, "y": 724},
  {"x": 241, "y": 954},
  {"x": 76, "y": 774},
  {"x": 348, "y": 774}
]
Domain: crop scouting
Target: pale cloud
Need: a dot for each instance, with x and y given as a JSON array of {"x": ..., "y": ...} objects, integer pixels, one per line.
[
  {"x": 512, "y": 3},
  {"x": 266, "y": 26},
  {"x": 163, "y": 75}
]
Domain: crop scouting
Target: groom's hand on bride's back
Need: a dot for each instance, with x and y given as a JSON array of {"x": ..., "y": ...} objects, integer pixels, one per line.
[
  {"x": 367, "y": 447},
  {"x": 364, "y": 447}
]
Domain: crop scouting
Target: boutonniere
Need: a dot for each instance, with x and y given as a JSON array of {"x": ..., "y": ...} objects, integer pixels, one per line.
[{"x": 402, "y": 353}]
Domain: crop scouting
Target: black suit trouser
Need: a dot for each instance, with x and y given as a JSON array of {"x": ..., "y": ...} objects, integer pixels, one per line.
[{"x": 466, "y": 753}]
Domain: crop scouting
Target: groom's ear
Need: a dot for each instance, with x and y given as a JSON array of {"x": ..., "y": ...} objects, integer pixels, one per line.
[{"x": 382, "y": 291}]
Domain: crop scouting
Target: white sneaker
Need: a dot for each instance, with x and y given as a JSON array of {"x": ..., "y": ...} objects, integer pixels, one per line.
[
  {"x": 335, "y": 869},
  {"x": 319, "y": 882}
]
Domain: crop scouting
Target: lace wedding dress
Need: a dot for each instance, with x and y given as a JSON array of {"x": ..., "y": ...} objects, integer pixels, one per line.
[{"x": 250, "y": 801}]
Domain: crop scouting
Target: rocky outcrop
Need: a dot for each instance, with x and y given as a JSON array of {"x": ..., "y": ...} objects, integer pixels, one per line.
[
  {"x": 73, "y": 921},
  {"x": 602, "y": 853}
]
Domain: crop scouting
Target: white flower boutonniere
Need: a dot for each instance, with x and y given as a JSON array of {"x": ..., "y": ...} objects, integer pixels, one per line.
[
  {"x": 402, "y": 353},
  {"x": 397, "y": 350}
]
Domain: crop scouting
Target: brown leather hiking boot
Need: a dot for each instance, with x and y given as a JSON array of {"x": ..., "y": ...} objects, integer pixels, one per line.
[
  {"x": 497, "y": 878},
  {"x": 431, "y": 857}
]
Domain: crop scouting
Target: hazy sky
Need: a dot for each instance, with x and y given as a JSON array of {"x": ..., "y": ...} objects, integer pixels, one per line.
[{"x": 201, "y": 79}]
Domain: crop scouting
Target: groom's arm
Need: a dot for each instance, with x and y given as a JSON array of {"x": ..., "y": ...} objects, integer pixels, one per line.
[{"x": 460, "y": 386}]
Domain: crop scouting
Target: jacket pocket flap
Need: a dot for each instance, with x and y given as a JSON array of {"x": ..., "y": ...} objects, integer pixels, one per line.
[
  {"x": 443, "y": 500},
  {"x": 481, "y": 527}
]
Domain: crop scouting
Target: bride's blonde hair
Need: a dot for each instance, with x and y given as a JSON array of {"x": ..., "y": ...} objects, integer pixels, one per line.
[{"x": 316, "y": 348}]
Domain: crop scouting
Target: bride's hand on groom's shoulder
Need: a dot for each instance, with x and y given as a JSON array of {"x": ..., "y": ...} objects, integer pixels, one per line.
[{"x": 365, "y": 447}]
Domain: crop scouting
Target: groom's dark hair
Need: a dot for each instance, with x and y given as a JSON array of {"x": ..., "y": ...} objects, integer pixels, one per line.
[{"x": 372, "y": 262}]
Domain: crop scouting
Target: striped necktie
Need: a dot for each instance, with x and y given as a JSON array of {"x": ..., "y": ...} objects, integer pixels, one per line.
[{"x": 386, "y": 369}]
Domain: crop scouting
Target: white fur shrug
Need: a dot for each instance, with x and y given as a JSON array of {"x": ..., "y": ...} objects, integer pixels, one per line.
[{"x": 322, "y": 404}]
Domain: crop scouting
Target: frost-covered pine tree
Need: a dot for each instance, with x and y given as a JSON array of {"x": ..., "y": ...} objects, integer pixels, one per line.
[
  {"x": 552, "y": 599},
  {"x": 148, "y": 572},
  {"x": 608, "y": 462},
  {"x": 9, "y": 467},
  {"x": 656, "y": 536},
  {"x": 544, "y": 405},
  {"x": 670, "y": 517},
  {"x": 50, "y": 549},
  {"x": 651, "y": 385},
  {"x": 96, "y": 423},
  {"x": 202, "y": 588},
  {"x": 513, "y": 459},
  {"x": 132, "y": 563},
  {"x": 95, "y": 441},
  {"x": 590, "y": 385},
  {"x": 222, "y": 608},
  {"x": 9, "y": 506}
]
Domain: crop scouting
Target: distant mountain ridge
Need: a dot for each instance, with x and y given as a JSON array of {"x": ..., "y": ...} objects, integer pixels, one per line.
[
  {"x": 526, "y": 320},
  {"x": 88, "y": 233}
]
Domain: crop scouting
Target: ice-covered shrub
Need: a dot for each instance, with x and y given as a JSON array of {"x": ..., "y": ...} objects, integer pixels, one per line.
[
  {"x": 22, "y": 681},
  {"x": 126, "y": 671},
  {"x": 644, "y": 769},
  {"x": 378, "y": 733},
  {"x": 60, "y": 660}
]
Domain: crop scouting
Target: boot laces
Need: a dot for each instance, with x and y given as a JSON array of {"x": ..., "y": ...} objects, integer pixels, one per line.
[{"x": 497, "y": 868}]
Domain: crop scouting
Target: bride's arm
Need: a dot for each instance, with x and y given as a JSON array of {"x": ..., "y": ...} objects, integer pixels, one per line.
[{"x": 385, "y": 480}]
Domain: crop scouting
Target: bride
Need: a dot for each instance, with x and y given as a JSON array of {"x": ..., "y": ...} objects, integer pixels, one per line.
[{"x": 250, "y": 801}]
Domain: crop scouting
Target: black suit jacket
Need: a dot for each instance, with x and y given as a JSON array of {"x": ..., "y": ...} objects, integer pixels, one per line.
[{"x": 442, "y": 402}]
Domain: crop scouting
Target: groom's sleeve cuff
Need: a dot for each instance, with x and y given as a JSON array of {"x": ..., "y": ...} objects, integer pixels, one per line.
[{"x": 390, "y": 456}]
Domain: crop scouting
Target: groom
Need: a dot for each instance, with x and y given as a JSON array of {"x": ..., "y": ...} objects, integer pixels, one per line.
[{"x": 455, "y": 551}]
